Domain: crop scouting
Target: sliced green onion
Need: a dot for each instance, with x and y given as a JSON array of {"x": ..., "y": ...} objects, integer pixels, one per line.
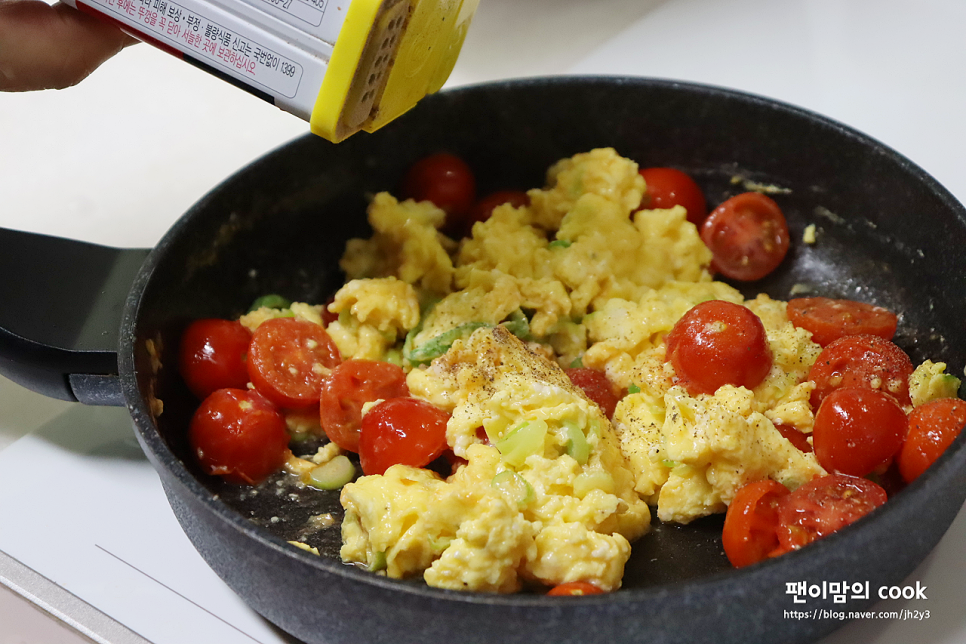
[
  {"x": 559, "y": 243},
  {"x": 633, "y": 389},
  {"x": 514, "y": 488},
  {"x": 439, "y": 545},
  {"x": 271, "y": 301},
  {"x": 577, "y": 446},
  {"x": 523, "y": 441},
  {"x": 578, "y": 363},
  {"x": 669, "y": 463},
  {"x": 518, "y": 324},
  {"x": 440, "y": 344},
  {"x": 333, "y": 474},
  {"x": 378, "y": 561}
]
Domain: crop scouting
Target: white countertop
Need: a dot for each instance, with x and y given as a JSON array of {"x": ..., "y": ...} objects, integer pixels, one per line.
[{"x": 117, "y": 159}]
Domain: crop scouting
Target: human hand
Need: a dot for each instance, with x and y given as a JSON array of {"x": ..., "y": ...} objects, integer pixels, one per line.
[{"x": 52, "y": 47}]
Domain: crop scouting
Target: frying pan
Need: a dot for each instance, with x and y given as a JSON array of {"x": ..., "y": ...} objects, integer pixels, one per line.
[{"x": 75, "y": 327}]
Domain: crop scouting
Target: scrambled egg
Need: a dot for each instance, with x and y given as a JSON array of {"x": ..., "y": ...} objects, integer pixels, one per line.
[{"x": 551, "y": 490}]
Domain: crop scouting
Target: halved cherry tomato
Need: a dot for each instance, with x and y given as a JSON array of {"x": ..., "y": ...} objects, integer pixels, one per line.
[
  {"x": 829, "y": 319},
  {"x": 574, "y": 589},
  {"x": 751, "y": 524},
  {"x": 445, "y": 179},
  {"x": 861, "y": 361},
  {"x": 932, "y": 428},
  {"x": 350, "y": 385},
  {"x": 212, "y": 356},
  {"x": 596, "y": 386},
  {"x": 795, "y": 437},
  {"x": 747, "y": 235},
  {"x": 401, "y": 430},
  {"x": 857, "y": 430},
  {"x": 718, "y": 343},
  {"x": 239, "y": 435},
  {"x": 458, "y": 227},
  {"x": 288, "y": 360},
  {"x": 667, "y": 187},
  {"x": 823, "y": 505}
]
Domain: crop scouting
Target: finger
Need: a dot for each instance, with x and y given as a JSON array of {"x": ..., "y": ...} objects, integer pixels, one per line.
[{"x": 52, "y": 47}]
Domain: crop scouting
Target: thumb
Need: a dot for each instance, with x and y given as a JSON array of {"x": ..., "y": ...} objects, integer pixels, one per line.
[{"x": 52, "y": 47}]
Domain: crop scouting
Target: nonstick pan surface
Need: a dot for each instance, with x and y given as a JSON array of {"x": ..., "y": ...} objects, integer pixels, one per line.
[{"x": 887, "y": 233}]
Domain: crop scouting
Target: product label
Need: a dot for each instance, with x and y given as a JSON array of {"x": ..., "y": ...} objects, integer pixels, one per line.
[
  {"x": 219, "y": 42},
  {"x": 310, "y": 11}
]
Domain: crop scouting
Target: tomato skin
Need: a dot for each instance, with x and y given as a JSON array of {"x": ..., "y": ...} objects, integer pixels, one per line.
[
  {"x": 751, "y": 524},
  {"x": 288, "y": 360},
  {"x": 482, "y": 209},
  {"x": 795, "y": 437},
  {"x": 857, "y": 430},
  {"x": 349, "y": 386},
  {"x": 212, "y": 356},
  {"x": 667, "y": 187},
  {"x": 401, "y": 430},
  {"x": 861, "y": 361},
  {"x": 828, "y": 319},
  {"x": 823, "y": 505},
  {"x": 718, "y": 343},
  {"x": 596, "y": 386},
  {"x": 238, "y": 435},
  {"x": 443, "y": 178},
  {"x": 574, "y": 589},
  {"x": 747, "y": 235},
  {"x": 932, "y": 428}
]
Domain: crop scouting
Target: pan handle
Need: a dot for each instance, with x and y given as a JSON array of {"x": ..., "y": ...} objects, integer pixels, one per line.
[{"x": 61, "y": 303}]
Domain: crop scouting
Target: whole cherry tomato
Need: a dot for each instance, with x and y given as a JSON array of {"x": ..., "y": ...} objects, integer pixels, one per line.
[
  {"x": 861, "y": 361},
  {"x": 751, "y": 524},
  {"x": 718, "y": 343},
  {"x": 829, "y": 319},
  {"x": 574, "y": 589},
  {"x": 823, "y": 505},
  {"x": 288, "y": 360},
  {"x": 667, "y": 187},
  {"x": 350, "y": 385},
  {"x": 404, "y": 431},
  {"x": 596, "y": 386},
  {"x": 747, "y": 235},
  {"x": 932, "y": 428},
  {"x": 212, "y": 356},
  {"x": 238, "y": 435},
  {"x": 856, "y": 430},
  {"x": 445, "y": 179}
]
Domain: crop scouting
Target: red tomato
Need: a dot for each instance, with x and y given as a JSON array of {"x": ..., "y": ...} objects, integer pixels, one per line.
[
  {"x": 401, "y": 430},
  {"x": 861, "y": 361},
  {"x": 718, "y": 343},
  {"x": 444, "y": 179},
  {"x": 212, "y": 356},
  {"x": 829, "y": 320},
  {"x": 823, "y": 505},
  {"x": 458, "y": 227},
  {"x": 856, "y": 430},
  {"x": 328, "y": 317},
  {"x": 667, "y": 187},
  {"x": 596, "y": 386},
  {"x": 574, "y": 589},
  {"x": 795, "y": 437},
  {"x": 239, "y": 435},
  {"x": 349, "y": 386},
  {"x": 751, "y": 524},
  {"x": 747, "y": 235},
  {"x": 932, "y": 428},
  {"x": 288, "y": 360}
]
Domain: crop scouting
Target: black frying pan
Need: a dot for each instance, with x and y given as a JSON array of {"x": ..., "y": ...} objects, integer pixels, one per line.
[{"x": 888, "y": 233}]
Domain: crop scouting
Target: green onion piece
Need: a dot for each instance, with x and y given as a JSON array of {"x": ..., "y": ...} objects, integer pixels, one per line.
[
  {"x": 578, "y": 363},
  {"x": 271, "y": 301},
  {"x": 577, "y": 446},
  {"x": 439, "y": 545},
  {"x": 514, "y": 488},
  {"x": 523, "y": 441},
  {"x": 669, "y": 463},
  {"x": 440, "y": 344},
  {"x": 633, "y": 389},
  {"x": 333, "y": 474},
  {"x": 378, "y": 561},
  {"x": 394, "y": 356},
  {"x": 518, "y": 324},
  {"x": 559, "y": 243}
]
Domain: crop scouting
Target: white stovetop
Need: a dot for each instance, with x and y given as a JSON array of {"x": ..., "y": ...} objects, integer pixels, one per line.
[{"x": 118, "y": 158}]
